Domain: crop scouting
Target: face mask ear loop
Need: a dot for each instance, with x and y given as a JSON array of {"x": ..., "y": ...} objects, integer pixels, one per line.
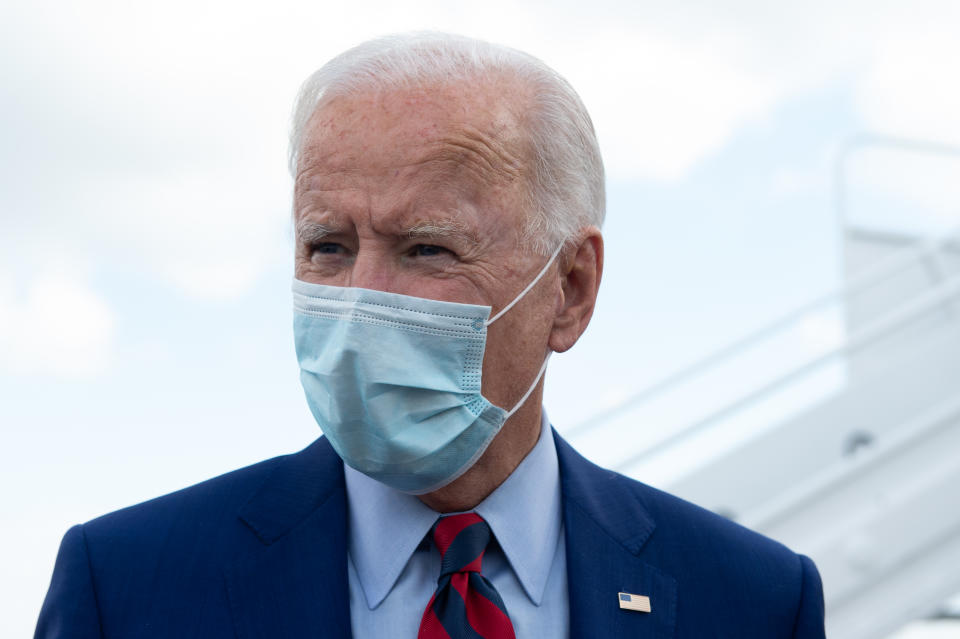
[
  {"x": 529, "y": 390},
  {"x": 526, "y": 290}
]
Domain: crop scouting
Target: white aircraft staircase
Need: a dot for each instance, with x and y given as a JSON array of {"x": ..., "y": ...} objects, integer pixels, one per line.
[{"x": 835, "y": 429}]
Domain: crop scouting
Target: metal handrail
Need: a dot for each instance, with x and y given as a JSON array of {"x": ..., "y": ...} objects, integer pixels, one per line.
[
  {"x": 903, "y": 257},
  {"x": 914, "y": 430},
  {"x": 892, "y": 321}
]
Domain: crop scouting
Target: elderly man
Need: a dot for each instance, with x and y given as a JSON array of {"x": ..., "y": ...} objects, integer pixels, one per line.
[{"x": 448, "y": 197}]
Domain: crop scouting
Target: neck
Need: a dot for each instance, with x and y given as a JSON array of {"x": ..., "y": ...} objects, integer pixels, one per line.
[{"x": 510, "y": 446}]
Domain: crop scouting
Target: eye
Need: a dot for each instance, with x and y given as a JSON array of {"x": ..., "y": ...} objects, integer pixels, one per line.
[
  {"x": 429, "y": 250},
  {"x": 326, "y": 248}
]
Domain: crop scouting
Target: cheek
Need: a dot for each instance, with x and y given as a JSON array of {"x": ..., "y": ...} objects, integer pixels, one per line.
[
  {"x": 301, "y": 265},
  {"x": 319, "y": 269},
  {"x": 515, "y": 349}
]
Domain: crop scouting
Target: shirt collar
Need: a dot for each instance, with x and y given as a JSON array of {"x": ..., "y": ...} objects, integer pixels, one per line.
[
  {"x": 523, "y": 513},
  {"x": 525, "y": 516}
]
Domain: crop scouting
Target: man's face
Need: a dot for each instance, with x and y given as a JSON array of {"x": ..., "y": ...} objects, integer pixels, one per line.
[{"x": 422, "y": 192}]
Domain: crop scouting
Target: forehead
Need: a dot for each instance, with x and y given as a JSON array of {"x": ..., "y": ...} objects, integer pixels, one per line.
[{"x": 459, "y": 132}]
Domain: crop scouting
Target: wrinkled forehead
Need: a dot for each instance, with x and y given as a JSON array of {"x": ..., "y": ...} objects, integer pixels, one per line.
[{"x": 477, "y": 129}]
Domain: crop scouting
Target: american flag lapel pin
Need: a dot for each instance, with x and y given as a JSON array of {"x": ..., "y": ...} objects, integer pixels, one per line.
[{"x": 640, "y": 603}]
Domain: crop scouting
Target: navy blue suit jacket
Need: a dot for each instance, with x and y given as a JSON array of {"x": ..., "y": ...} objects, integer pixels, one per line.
[{"x": 261, "y": 552}]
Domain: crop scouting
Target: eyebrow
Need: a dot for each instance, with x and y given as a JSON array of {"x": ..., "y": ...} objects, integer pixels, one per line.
[
  {"x": 309, "y": 232},
  {"x": 313, "y": 232},
  {"x": 440, "y": 229}
]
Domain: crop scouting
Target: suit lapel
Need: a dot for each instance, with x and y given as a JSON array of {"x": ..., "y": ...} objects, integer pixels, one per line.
[
  {"x": 606, "y": 527},
  {"x": 294, "y": 584}
]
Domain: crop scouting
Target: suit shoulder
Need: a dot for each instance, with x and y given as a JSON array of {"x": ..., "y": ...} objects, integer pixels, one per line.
[
  {"x": 146, "y": 564},
  {"x": 752, "y": 570},
  {"x": 698, "y": 525},
  {"x": 717, "y": 565},
  {"x": 690, "y": 538},
  {"x": 679, "y": 524},
  {"x": 201, "y": 505}
]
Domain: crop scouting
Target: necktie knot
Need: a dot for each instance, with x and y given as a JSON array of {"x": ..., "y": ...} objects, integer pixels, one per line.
[
  {"x": 462, "y": 540},
  {"x": 465, "y": 603}
]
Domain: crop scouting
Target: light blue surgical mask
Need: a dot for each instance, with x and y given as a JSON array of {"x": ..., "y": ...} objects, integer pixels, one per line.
[{"x": 394, "y": 380}]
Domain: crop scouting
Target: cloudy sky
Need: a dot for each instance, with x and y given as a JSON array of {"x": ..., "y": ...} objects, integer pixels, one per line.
[{"x": 145, "y": 259}]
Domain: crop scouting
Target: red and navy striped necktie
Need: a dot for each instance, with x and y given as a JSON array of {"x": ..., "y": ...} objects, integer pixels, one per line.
[{"x": 465, "y": 605}]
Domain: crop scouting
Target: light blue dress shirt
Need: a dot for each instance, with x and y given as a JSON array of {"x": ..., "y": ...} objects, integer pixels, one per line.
[{"x": 392, "y": 574}]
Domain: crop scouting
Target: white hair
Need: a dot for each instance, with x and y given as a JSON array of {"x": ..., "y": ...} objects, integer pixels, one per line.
[{"x": 566, "y": 189}]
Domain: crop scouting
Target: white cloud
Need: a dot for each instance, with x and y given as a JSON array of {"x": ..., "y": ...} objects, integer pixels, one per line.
[
  {"x": 910, "y": 87},
  {"x": 211, "y": 234},
  {"x": 58, "y": 325},
  {"x": 661, "y": 104},
  {"x": 668, "y": 87}
]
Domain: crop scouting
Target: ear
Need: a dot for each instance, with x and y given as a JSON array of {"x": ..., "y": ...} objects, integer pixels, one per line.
[{"x": 580, "y": 272}]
